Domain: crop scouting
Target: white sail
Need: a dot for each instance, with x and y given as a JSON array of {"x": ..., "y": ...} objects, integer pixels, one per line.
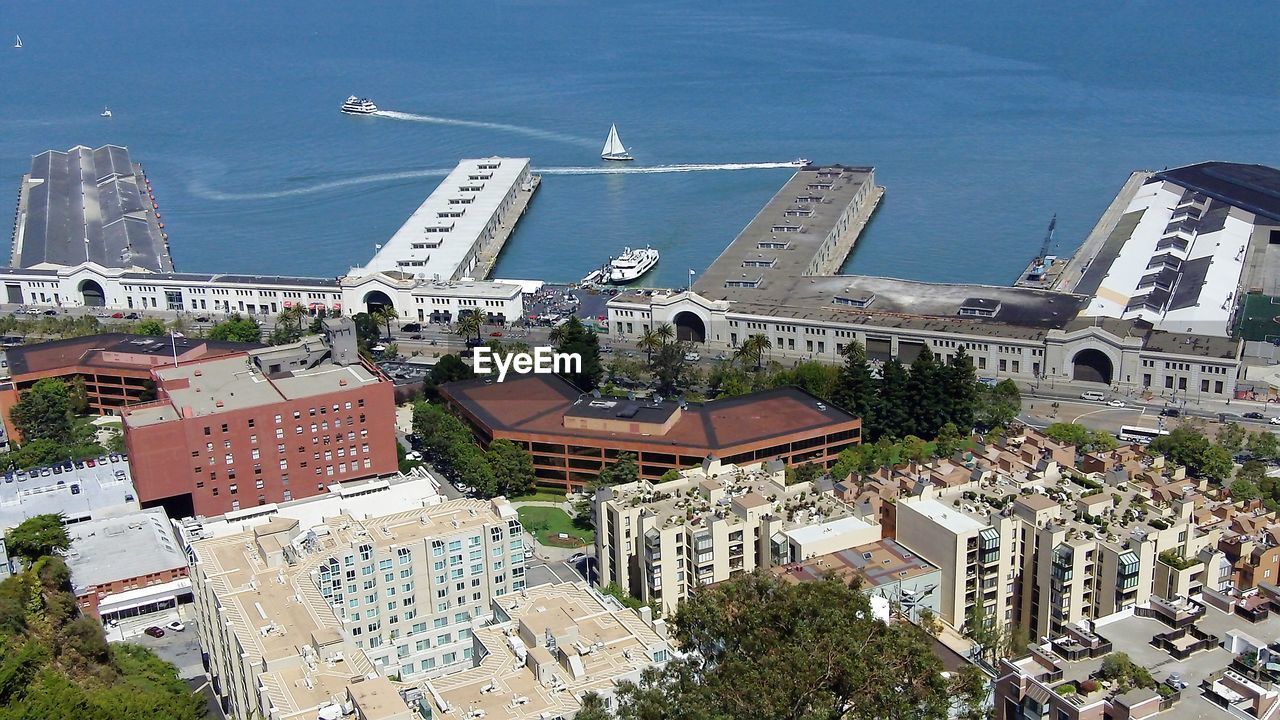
[
  {"x": 17, "y": 41},
  {"x": 613, "y": 145}
]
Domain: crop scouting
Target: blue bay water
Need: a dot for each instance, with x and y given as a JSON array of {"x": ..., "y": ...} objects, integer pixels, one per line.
[{"x": 982, "y": 120}]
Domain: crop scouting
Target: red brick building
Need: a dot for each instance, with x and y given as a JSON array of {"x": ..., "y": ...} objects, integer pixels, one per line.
[
  {"x": 268, "y": 426},
  {"x": 116, "y": 367},
  {"x": 127, "y": 566},
  {"x": 573, "y": 436}
]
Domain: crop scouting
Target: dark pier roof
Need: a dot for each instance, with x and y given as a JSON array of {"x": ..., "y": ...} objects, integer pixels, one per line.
[{"x": 89, "y": 205}]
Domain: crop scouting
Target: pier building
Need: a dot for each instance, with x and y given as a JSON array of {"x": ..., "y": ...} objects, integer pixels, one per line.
[
  {"x": 89, "y": 234},
  {"x": 470, "y": 212},
  {"x": 87, "y": 205},
  {"x": 776, "y": 279}
]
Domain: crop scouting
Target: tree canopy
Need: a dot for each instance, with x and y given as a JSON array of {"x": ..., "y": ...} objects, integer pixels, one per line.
[
  {"x": 1084, "y": 439},
  {"x": 1188, "y": 446},
  {"x": 504, "y": 469},
  {"x": 36, "y": 537},
  {"x": 761, "y": 647},
  {"x": 623, "y": 470},
  {"x": 44, "y": 412},
  {"x": 236, "y": 328},
  {"x": 574, "y": 337}
]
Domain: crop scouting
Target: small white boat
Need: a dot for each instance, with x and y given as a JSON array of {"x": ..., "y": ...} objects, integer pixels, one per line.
[
  {"x": 613, "y": 149},
  {"x": 106, "y": 112},
  {"x": 631, "y": 265},
  {"x": 592, "y": 277},
  {"x": 17, "y": 41},
  {"x": 359, "y": 106},
  {"x": 800, "y": 162}
]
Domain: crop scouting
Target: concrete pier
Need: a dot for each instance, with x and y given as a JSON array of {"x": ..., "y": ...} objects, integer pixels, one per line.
[
  {"x": 487, "y": 254},
  {"x": 1071, "y": 275}
]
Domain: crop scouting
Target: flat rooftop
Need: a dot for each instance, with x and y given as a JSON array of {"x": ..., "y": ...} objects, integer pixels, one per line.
[
  {"x": 115, "y": 350},
  {"x": 537, "y": 404},
  {"x": 117, "y": 548},
  {"x": 1174, "y": 260},
  {"x": 89, "y": 205},
  {"x": 883, "y": 562},
  {"x": 612, "y": 644},
  {"x": 234, "y": 382},
  {"x": 1255, "y": 188},
  {"x": 783, "y": 241},
  {"x": 440, "y": 235},
  {"x": 948, "y": 517},
  {"x": 80, "y": 494}
]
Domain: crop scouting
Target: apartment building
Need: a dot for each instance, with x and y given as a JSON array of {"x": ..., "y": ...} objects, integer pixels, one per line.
[
  {"x": 544, "y": 651},
  {"x": 297, "y": 621},
  {"x": 1040, "y": 545},
  {"x": 658, "y": 541},
  {"x": 262, "y": 427}
]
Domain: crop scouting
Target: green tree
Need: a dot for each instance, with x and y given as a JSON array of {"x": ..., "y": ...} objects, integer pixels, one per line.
[
  {"x": 816, "y": 378},
  {"x": 593, "y": 708},
  {"x": 37, "y": 537},
  {"x": 450, "y": 368},
  {"x": 1188, "y": 446},
  {"x": 729, "y": 381},
  {"x": 1231, "y": 437},
  {"x": 856, "y": 387},
  {"x": 649, "y": 341},
  {"x": 670, "y": 369},
  {"x": 998, "y": 405},
  {"x": 288, "y": 326},
  {"x": 893, "y": 415},
  {"x": 760, "y": 647},
  {"x": 237, "y": 328},
  {"x": 622, "y": 470},
  {"x": 930, "y": 407},
  {"x": 575, "y": 338},
  {"x": 949, "y": 440},
  {"x": 665, "y": 332},
  {"x": 1084, "y": 439},
  {"x": 753, "y": 349},
  {"x": 960, "y": 390},
  {"x": 469, "y": 326},
  {"x": 1263, "y": 444},
  {"x": 512, "y": 468},
  {"x": 44, "y": 412},
  {"x": 150, "y": 326},
  {"x": 78, "y": 396},
  {"x": 385, "y": 314},
  {"x": 366, "y": 331}
]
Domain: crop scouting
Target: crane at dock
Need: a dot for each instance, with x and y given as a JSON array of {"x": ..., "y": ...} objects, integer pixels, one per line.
[{"x": 1048, "y": 237}]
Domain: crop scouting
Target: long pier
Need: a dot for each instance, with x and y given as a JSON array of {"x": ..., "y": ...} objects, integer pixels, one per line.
[{"x": 488, "y": 253}]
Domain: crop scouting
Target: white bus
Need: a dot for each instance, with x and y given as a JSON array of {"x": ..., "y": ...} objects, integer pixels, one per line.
[{"x": 1135, "y": 434}]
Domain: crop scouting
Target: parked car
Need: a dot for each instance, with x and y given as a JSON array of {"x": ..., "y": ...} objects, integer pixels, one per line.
[
  {"x": 155, "y": 631},
  {"x": 1274, "y": 421},
  {"x": 1175, "y": 412},
  {"x": 117, "y": 315},
  {"x": 176, "y": 626},
  {"x": 528, "y": 553},
  {"x": 1255, "y": 415},
  {"x": 576, "y": 557},
  {"x": 50, "y": 312},
  {"x": 692, "y": 357},
  {"x": 495, "y": 334},
  {"x": 202, "y": 318}
]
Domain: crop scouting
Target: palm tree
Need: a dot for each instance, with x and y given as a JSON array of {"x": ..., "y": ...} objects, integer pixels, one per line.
[
  {"x": 468, "y": 325},
  {"x": 648, "y": 342},
  {"x": 665, "y": 332},
  {"x": 385, "y": 314},
  {"x": 753, "y": 348}
]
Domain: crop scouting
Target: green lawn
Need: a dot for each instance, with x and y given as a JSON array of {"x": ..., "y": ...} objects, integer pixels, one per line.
[
  {"x": 541, "y": 495},
  {"x": 546, "y": 524}
]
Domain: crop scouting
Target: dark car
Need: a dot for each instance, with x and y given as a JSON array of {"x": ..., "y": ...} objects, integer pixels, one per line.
[
  {"x": 202, "y": 318},
  {"x": 132, "y": 316},
  {"x": 155, "y": 631},
  {"x": 50, "y": 312},
  {"x": 1255, "y": 415},
  {"x": 410, "y": 327},
  {"x": 1170, "y": 412}
]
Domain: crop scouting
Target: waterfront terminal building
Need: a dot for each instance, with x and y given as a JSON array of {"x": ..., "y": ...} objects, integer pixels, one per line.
[{"x": 1149, "y": 304}]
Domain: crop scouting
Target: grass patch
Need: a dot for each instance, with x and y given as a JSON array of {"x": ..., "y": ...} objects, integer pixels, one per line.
[
  {"x": 541, "y": 495},
  {"x": 546, "y": 524}
]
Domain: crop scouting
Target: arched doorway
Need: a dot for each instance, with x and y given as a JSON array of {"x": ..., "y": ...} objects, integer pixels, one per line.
[
  {"x": 690, "y": 328},
  {"x": 91, "y": 293},
  {"x": 1091, "y": 365},
  {"x": 376, "y": 300}
]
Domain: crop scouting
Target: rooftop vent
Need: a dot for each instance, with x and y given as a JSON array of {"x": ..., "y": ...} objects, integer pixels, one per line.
[{"x": 979, "y": 307}]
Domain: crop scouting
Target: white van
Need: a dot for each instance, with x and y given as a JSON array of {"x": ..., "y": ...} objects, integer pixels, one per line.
[{"x": 1092, "y": 395}]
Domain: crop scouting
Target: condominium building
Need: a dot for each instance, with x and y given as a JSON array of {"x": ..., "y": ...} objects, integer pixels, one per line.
[
  {"x": 572, "y": 435},
  {"x": 262, "y": 427},
  {"x": 1044, "y": 550},
  {"x": 658, "y": 541},
  {"x": 297, "y": 620},
  {"x": 544, "y": 651}
]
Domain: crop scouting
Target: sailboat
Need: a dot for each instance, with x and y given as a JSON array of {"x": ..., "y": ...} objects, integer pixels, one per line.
[
  {"x": 106, "y": 112},
  {"x": 17, "y": 41},
  {"x": 613, "y": 149}
]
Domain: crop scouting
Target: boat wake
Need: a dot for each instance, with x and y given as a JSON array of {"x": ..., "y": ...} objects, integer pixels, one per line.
[
  {"x": 200, "y": 190},
  {"x": 657, "y": 169},
  {"x": 505, "y": 127}
]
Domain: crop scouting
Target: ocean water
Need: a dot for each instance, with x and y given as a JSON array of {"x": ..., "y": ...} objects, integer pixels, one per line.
[{"x": 982, "y": 119}]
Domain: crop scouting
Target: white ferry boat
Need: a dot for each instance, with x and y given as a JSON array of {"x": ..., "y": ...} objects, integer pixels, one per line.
[
  {"x": 359, "y": 106},
  {"x": 630, "y": 265}
]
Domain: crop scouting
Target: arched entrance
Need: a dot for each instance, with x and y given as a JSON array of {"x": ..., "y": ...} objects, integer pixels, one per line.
[
  {"x": 690, "y": 328},
  {"x": 376, "y": 300},
  {"x": 91, "y": 293},
  {"x": 1091, "y": 365}
]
